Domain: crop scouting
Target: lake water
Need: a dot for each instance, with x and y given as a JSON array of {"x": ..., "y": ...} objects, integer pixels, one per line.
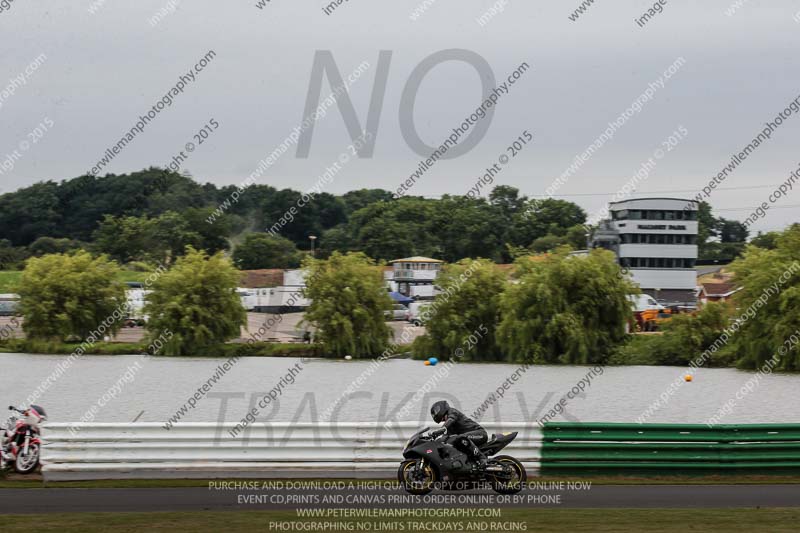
[{"x": 160, "y": 386}]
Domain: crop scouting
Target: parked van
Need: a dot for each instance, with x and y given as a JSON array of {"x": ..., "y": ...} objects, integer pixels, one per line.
[
  {"x": 8, "y": 304},
  {"x": 398, "y": 312},
  {"x": 414, "y": 313}
]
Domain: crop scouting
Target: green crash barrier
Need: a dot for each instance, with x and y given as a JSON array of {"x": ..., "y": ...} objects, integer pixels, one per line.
[{"x": 670, "y": 448}]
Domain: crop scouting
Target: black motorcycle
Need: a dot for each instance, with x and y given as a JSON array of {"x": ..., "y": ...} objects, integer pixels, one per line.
[{"x": 431, "y": 462}]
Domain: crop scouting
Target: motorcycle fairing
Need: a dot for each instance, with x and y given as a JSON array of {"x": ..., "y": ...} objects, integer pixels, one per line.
[{"x": 498, "y": 442}]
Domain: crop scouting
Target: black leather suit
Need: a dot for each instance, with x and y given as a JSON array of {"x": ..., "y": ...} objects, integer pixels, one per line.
[{"x": 464, "y": 433}]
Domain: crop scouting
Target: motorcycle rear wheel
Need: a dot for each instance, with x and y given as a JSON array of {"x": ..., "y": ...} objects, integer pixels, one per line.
[
  {"x": 423, "y": 481},
  {"x": 25, "y": 464},
  {"x": 518, "y": 478}
]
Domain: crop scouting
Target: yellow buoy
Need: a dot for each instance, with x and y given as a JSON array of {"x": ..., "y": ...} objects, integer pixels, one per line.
[{"x": 688, "y": 377}]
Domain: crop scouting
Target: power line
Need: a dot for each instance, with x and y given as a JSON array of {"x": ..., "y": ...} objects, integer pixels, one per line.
[
  {"x": 663, "y": 191},
  {"x": 752, "y": 208},
  {"x": 660, "y": 191}
]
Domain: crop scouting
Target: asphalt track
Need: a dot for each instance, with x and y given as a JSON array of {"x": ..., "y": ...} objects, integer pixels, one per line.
[{"x": 66, "y": 500}]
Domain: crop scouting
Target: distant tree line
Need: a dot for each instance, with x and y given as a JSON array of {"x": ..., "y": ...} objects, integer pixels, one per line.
[{"x": 154, "y": 214}]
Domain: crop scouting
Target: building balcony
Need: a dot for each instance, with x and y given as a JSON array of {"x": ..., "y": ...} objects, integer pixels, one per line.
[
  {"x": 415, "y": 275},
  {"x": 658, "y": 250}
]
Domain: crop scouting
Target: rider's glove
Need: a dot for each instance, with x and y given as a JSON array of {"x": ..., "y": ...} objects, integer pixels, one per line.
[{"x": 438, "y": 432}]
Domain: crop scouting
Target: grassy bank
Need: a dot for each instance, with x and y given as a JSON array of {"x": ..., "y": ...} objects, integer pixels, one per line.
[
  {"x": 53, "y": 348},
  {"x": 257, "y": 349},
  {"x": 10, "y": 278},
  {"x": 649, "y": 520}
]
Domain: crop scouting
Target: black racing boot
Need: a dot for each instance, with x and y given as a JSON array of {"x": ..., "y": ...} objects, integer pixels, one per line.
[{"x": 479, "y": 457}]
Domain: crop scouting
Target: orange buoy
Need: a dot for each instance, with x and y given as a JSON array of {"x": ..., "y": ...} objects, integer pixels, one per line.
[
  {"x": 427, "y": 363},
  {"x": 688, "y": 377}
]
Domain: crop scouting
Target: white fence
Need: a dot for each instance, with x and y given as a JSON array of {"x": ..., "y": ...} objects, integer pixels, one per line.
[{"x": 268, "y": 450}]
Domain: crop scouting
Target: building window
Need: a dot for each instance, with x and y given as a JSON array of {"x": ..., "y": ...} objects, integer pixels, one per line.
[
  {"x": 658, "y": 262},
  {"x": 657, "y": 238}
]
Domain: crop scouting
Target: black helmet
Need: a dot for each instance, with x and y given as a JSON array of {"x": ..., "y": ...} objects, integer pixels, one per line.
[{"x": 439, "y": 411}]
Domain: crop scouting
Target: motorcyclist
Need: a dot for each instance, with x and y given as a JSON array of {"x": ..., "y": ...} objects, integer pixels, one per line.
[{"x": 463, "y": 432}]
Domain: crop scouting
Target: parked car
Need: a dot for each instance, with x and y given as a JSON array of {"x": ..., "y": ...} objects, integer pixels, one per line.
[
  {"x": 414, "y": 313},
  {"x": 398, "y": 312},
  {"x": 8, "y": 304}
]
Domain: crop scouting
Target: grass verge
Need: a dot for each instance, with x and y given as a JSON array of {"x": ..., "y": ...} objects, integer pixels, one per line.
[
  {"x": 256, "y": 349},
  {"x": 10, "y": 278}
]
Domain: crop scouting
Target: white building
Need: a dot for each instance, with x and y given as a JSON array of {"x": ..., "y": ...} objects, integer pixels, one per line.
[
  {"x": 656, "y": 239},
  {"x": 414, "y": 277},
  {"x": 135, "y": 299},
  {"x": 285, "y": 298}
]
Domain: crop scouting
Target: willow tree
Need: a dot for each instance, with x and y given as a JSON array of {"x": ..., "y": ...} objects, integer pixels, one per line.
[
  {"x": 348, "y": 304},
  {"x": 71, "y": 295},
  {"x": 462, "y": 319},
  {"x": 566, "y": 308},
  {"x": 770, "y": 302},
  {"x": 196, "y": 302}
]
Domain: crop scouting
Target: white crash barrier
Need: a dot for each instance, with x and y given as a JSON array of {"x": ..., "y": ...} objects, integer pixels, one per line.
[{"x": 265, "y": 450}]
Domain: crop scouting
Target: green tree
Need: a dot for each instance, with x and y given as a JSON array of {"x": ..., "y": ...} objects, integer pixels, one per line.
[
  {"x": 11, "y": 257},
  {"x": 337, "y": 239},
  {"x": 687, "y": 336},
  {"x": 706, "y": 225},
  {"x": 158, "y": 239},
  {"x": 360, "y": 198},
  {"x": 772, "y": 318},
  {"x": 566, "y": 309},
  {"x": 320, "y": 212},
  {"x": 49, "y": 245},
  {"x": 70, "y": 295},
  {"x": 169, "y": 236},
  {"x": 547, "y": 243},
  {"x": 124, "y": 238},
  {"x": 212, "y": 237},
  {"x": 390, "y": 230},
  {"x": 722, "y": 251},
  {"x": 30, "y": 213},
  {"x": 507, "y": 199},
  {"x": 348, "y": 302},
  {"x": 539, "y": 218},
  {"x": 732, "y": 231},
  {"x": 767, "y": 240},
  {"x": 461, "y": 321},
  {"x": 468, "y": 227},
  {"x": 196, "y": 301},
  {"x": 261, "y": 250}
]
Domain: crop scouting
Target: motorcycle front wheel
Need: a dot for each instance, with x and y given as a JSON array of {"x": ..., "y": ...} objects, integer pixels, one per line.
[
  {"x": 416, "y": 480},
  {"x": 25, "y": 464},
  {"x": 518, "y": 477}
]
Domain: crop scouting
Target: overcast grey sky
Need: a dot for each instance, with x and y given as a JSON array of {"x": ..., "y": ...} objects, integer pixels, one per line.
[{"x": 103, "y": 70}]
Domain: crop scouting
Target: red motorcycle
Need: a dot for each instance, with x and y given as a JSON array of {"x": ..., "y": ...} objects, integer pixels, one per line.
[{"x": 20, "y": 443}]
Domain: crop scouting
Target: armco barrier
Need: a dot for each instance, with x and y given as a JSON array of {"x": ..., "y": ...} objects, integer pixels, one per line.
[
  {"x": 358, "y": 450},
  {"x": 271, "y": 450},
  {"x": 670, "y": 448}
]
